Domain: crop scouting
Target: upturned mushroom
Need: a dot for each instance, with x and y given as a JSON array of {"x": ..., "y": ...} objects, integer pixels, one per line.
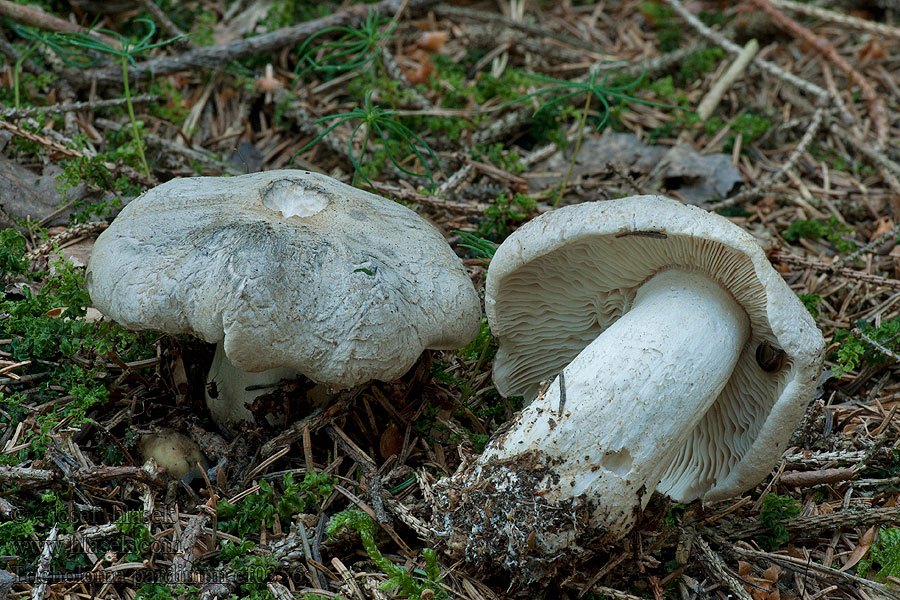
[
  {"x": 288, "y": 273},
  {"x": 677, "y": 359}
]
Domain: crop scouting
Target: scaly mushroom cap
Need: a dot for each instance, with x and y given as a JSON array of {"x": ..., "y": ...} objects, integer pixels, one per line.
[
  {"x": 288, "y": 269},
  {"x": 563, "y": 278}
]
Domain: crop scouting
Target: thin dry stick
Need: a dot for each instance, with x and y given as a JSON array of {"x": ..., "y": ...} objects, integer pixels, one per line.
[
  {"x": 614, "y": 593},
  {"x": 215, "y": 57},
  {"x": 718, "y": 567},
  {"x": 75, "y": 231},
  {"x": 53, "y": 109},
  {"x": 857, "y": 332},
  {"x": 44, "y": 564},
  {"x": 35, "y": 17},
  {"x": 878, "y": 158},
  {"x": 730, "y": 46},
  {"x": 183, "y": 559},
  {"x": 446, "y": 10},
  {"x": 809, "y": 566},
  {"x": 817, "y": 265},
  {"x": 876, "y": 103},
  {"x": 772, "y": 178},
  {"x": 836, "y": 17},
  {"x": 811, "y": 525},
  {"x": 164, "y": 21},
  {"x": 129, "y": 172},
  {"x": 881, "y": 239},
  {"x": 724, "y": 83}
]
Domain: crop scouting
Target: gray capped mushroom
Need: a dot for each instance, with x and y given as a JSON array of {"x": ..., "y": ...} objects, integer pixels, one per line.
[
  {"x": 678, "y": 360},
  {"x": 288, "y": 272}
]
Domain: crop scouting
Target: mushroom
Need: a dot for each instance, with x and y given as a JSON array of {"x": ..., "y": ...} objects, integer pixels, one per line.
[
  {"x": 177, "y": 453},
  {"x": 287, "y": 272},
  {"x": 680, "y": 361}
]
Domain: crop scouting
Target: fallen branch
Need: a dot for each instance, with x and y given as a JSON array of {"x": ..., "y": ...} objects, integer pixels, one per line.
[
  {"x": 772, "y": 178},
  {"x": 12, "y": 113},
  {"x": 825, "y": 14},
  {"x": 733, "y": 48},
  {"x": 813, "y": 478},
  {"x": 215, "y": 57},
  {"x": 817, "y": 265},
  {"x": 876, "y": 103},
  {"x": 129, "y": 172},
  {"x": 810, "y": 525},
  {"x": 35, "y": 17}
]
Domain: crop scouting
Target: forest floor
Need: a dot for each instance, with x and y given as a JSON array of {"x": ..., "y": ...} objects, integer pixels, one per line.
[{"x": 469, "y": 113}]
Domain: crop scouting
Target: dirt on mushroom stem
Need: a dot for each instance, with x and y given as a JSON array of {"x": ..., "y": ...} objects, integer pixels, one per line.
[{"x": 494, "y": 514}]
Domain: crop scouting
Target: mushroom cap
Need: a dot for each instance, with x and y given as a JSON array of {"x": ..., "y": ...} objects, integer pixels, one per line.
[
  {"x": 560, "y": 280},
  {"x": 175, "y": 452},
  {"x": 287, "y": 269}
]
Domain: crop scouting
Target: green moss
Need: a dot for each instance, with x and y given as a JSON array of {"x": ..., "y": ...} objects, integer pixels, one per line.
[
  {"x": 411, "y": 585},
  {"x": 853, "y": 352},
  {"x": 665, "y": 24},
  {"x": 814, "y": 230},
  {"x": 504, "y": 213},
  {"x": 774, "y": 512},
  {"x": 811, "y": 302},
  {"x": 699, "y": 63}
]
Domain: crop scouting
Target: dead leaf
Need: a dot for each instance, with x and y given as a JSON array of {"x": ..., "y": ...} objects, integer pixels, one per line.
[
  {"x": 766, "y": 205},
  {"x": 771, "y": 574},
  {"x": 423, "y": 71},
  {"x": 865, "y": 542},
  {"x": 696, "y": 178},
  {"x": 432, "y": 40},
  {"x": 882, "y": 226},
  {"x": 54, "y": 313},
  {"x": 391, "y": 441},
  {"x": 873, "y": 50}
]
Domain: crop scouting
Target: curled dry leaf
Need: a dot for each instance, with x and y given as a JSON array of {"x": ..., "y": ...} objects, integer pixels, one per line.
[
  {"x": 865, "y": 542},
  {"x": 433, "y": 40}
]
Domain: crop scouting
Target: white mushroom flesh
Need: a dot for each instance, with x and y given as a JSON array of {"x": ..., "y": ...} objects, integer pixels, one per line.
[
  {"x": 633, "y": 395},
  {"x": 230, "y": 392}
]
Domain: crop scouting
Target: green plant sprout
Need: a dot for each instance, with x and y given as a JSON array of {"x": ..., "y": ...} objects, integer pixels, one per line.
[
  {"x": 379, "y": 123},
  {"x": 602, "y": 91},
  {"x": 411, "y": 586},
  {"x": 481, "y": 248},
  {"x": 129, "y": 49},
  {"x": 354, "y": 50},
  {"x": 17, "y": 68},
  {"x": 52, "y": 40}
]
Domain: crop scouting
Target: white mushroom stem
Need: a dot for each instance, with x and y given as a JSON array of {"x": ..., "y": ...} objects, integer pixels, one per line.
[
  {"x": 227, "y": 396},
  {"x": 632, "y": 397}
]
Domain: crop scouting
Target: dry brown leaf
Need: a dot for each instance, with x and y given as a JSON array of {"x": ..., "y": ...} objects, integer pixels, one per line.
[
  {"x": 873, "y": 50},
  {"x": 865, "y": 542},
  {"x": 425, "y": 69},
  {"x": 882, "y": 226},
  {"x": 391, "y": 441},
  {"x": 433, "y": 40}
]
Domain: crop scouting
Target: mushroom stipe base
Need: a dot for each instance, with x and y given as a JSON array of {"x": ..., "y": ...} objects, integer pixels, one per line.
[{"x": 491, "y": 515}]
